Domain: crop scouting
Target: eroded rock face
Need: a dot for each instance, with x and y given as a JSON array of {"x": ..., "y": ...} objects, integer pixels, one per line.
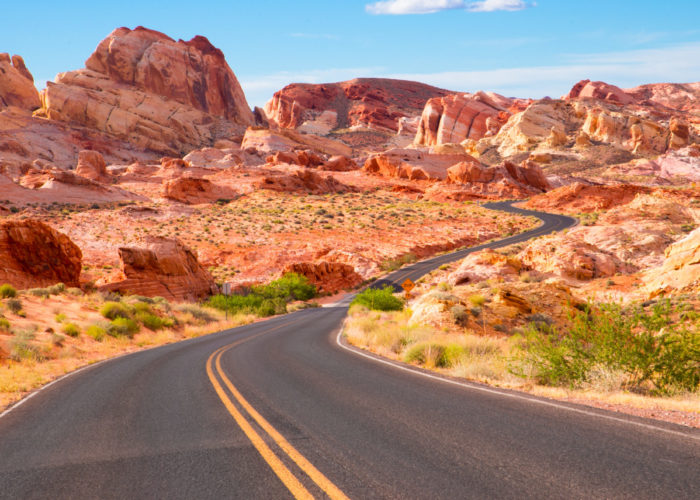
[
  {"x": 484, "y": 265},
  {"x": 17, "y": 84},
  {"x": 457, "y": 117},
  {"x": 365, "y": 102},
  {"x": 414, "y": 165},
  {"x": 300, "y": 179},
  {"x": 194, "y": 190},
  {"x": 327, "y": 276},
  {"x": 142, "y": 86},
  {"x": 578, "y": 198},
  {"x": 33, "y": 254},
  {"x": 680, "y": 271},
  {"x": 600, "y": 90},
  {"x": 163, "y": 267}
]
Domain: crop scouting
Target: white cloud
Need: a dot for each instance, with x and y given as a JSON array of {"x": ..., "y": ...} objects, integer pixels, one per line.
[
  {"x": 494, "y": 5},
  {"x": 678, "y": 63},
  {"x": 398, "y": 7}
]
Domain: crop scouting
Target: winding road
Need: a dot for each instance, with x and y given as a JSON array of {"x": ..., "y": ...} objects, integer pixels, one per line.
[{"x": 282, "y": 409}]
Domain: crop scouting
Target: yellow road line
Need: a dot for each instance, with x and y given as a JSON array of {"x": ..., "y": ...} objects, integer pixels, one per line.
[{"x": 289, "y": 480}]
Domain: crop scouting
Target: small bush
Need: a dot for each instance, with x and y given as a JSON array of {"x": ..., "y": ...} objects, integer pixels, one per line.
[
  {"x": 60, "y": 318},
  {"x": 113, "y": 310},
  {"x": 150, "y": 321},
  {"x": 57, "y": 289},
  {"x": 123, "y": 326},
  {"x": 74, "y": 291},
  {"x": 7, "y": 291},
  {"x": 459, "y": 314},
  {"x": 71, "y": 329},
  {"x": 96, "y": 332},
  {"x": 39, "y": 292},
  {"x": 14, "y": 305},
  {"x": 379, "y": 299},
  {"x": 198, "y": 313},
  {"x": 432, "y": 354},
  {"x": 477, "y": 300},
  {"x": 4, "y": 325}
]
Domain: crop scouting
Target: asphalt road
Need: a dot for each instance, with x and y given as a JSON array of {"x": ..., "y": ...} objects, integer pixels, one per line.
[{"x": 280, "y": 409}]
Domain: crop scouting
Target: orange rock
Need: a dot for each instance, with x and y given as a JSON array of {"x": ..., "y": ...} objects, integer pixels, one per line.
[
  {"x": 412, "y": 164},
  {"x": 327, "y": 276},
  {"x": 600, "y": 90},
  {"x": 484, "y": 265},
  {"x": 192, "y": 190},
  {"x": 33, "y": 254},
  {"x": 339, "y": 163},
  {"x": 300, "y": 180},
  {"x": 165, "y": 268},
  {"x": 91, "y": 165},
  {"x": 17, "y": 84},
  {"x": 578, "y": 197}
]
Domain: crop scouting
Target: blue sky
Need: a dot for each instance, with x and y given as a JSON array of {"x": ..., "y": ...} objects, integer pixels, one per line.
[{"x": 515, "y": 47}]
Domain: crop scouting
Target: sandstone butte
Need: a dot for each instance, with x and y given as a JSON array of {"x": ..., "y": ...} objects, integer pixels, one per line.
[
  {"x": 163, "y": 267},
  {"x": 376, "y": 103},
  {"x": 152, "y": 91}
]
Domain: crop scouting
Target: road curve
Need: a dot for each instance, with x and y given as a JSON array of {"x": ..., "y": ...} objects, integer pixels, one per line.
[{"x": 278, "y": 409}]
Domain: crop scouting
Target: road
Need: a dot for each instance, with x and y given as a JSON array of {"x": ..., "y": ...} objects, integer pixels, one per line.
[{"x": 279, "y": 409}]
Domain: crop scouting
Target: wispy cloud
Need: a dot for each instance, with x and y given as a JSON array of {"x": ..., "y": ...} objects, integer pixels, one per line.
[
  {"x": 677, "y": 63},
  {"x": 315, "y": 36},
  {"x": 400, "y": 7}
]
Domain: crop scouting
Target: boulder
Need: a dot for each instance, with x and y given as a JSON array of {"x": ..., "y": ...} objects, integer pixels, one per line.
[
  {"x": 194, "y": 190},
  {"x": 328, "y": 277},
  {"x": 17, "y": 84},
  {"x": 413, "y": 165},
  {"x": 32, "y": 254},
  {"x": 163, "y": 267},
  {"x": 91, "y": 165}
]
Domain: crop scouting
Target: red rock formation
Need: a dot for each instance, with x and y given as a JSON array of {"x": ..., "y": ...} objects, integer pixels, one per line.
[
  {"x": 33, "y": 254},
  {"x": 192, "y": 190},
  {"x": 368, "y": 102},
  {"x": 300, "y": 180},
  {"x": 327, "y": 276},
  {"x": 577, "y": 198},
  {"x": 339, "y": 163},
  {"x": 165, "y": 268},
  {"x": 600, "y": 90},
  {"x": 17, "y": 84},
  {"x": 302, "y": 158},
  {"x": 456, "y": 117},
  {"x": 412, "y": 164},
  {"x": 91, "y": 165},
  {"x": 159, "y": 94}
]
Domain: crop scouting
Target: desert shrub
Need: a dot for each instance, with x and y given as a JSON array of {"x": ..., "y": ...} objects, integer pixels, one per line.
[
  {"x": 4, "y": 325},
  {"x": 291, "y": 286},
  {"x": 74, "y": 291},
  {"x": 97, "y": 332},
  {"x": 7, "y": 291},
  {"x": 651, "y": 348},
  {"x": 477, "y": 300},
  {"x": 379, "y": 299},
  {"x": 459, "y": 314},
  {"x": 433, "y": 354},
  {"x": 394, "y": 264},
  {"x": 113, "y": 310},
  {"x": 14, "y": 305},
  {"x": 21, "y": 349},
  {"x": 152, "y": 321},
  {"x": 123, "y": 326},
  {"x": 56, "y": 289},
  {"x": 198, "y": 313},
  {"x": 39, "y": 292},
  {"x": 71, "y": 329},
  {"x": 60, "y": 318}
]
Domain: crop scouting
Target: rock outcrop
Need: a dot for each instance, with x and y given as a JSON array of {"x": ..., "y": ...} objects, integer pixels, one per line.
[
  {"x": 680, "y": 271},
  {"x": 484, "y": 265},
  {"x": 300, "y": 179},
  {"x": 364, "y": 102},
  {"x": 33, "y": 254},
  {"x": 577, "y": 198},
  {"x": 457, "y": 117},
  {"x": 91, "y": 165},
  {"x": 413, "y": 164},
  {"x": 163, "y": 267},
  {"x": 194, "y": 190},
  {"x": 144, "y": 87},
  {"x": 270, "y": 141},
  {"x": 17, "y": 84},
  {"x": 328, "y": 277}
]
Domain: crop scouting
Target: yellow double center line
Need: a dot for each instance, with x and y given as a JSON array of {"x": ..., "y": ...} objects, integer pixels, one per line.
[{"x": 286, "y": 476}]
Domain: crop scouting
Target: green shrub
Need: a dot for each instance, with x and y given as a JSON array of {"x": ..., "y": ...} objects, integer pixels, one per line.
[
  {"x": 433, "y": 354},
  {"x": 459, "y": 314},
  {"x": 650, "y": 347},
  {"x": 97, "y": 332},
  {"x": 7, "y": 291},
  {"x": 71, "y": 329},
  {"x": 291, "y": 286},
  {"x": 123, "y": 326},
  {"x": 4, "y": 325},
  {"x": 150, "y": 320},
  {"x": 60, "y": 318},
  {"x": 198, "y": 313},
  {"x": 477, "y": 300},
  {"x": 379, "y": 299},
  {"x": 14, "y": 305},
  {"x": 56, "y": 289},
  {"x": 39, "y": 292},
  {"x": 113, "y": 310},
  {"x": 21, "y": 349}
]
